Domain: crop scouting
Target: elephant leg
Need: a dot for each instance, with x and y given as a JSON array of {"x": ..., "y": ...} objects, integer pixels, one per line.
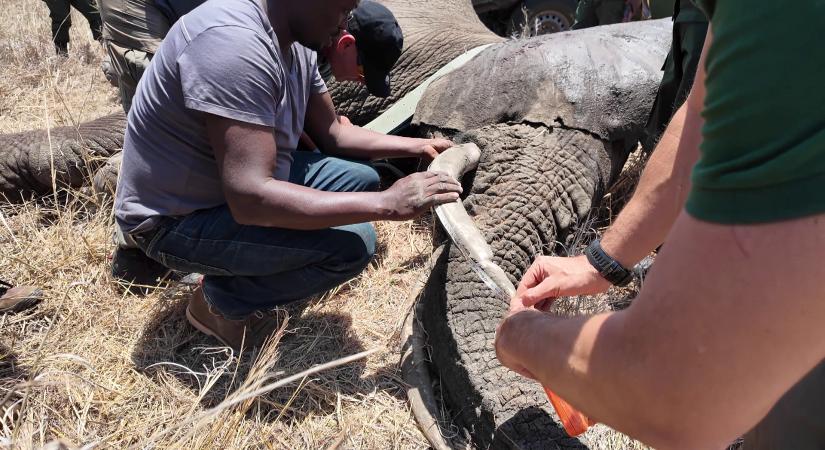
[{"x": 105, "y": 179}]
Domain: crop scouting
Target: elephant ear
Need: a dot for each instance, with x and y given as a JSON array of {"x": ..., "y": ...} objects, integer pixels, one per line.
[{"x": 602, "y": 80}]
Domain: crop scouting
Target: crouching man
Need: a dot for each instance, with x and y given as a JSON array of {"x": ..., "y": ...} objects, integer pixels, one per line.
[{"x": 210, "y": 182}]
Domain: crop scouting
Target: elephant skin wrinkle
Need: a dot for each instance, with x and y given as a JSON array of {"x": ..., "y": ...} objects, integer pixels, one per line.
[
  {"x": 28, "y": 160},
  {"x": 531, "y": 186},
  {"x": 601, "y": 80},
  {"x": 555, "y": 118}
]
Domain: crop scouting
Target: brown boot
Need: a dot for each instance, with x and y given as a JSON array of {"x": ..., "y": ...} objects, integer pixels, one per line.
[
  {"x": 18, "y": 298},
  {"x": 257, "y": 327}
]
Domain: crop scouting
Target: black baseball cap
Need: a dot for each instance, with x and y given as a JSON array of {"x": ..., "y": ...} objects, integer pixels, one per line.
[{"x": 379, "y": 41}]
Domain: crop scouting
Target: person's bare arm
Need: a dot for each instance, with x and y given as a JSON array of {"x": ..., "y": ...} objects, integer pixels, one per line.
[
  {"x": 335, "y": 138},
  {"x": 727, "y": 321},
  {"x": 245, "y": 155},
  {"x": 646, "y": 219},
  {"x": 663, "y": 187}
]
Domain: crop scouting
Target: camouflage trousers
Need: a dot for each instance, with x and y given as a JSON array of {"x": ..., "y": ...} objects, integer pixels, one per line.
[{"x": 129, "y": 65}]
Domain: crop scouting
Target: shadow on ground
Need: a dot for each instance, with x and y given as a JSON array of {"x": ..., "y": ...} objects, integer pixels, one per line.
[
  {"x": 170, "y": 346},
  {"x": 11, "y": 375}
]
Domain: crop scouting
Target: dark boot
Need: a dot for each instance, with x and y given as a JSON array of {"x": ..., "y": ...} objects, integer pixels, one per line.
[
  {"x": 136, "y": 272},
  {"x": 62, "y": 49}
]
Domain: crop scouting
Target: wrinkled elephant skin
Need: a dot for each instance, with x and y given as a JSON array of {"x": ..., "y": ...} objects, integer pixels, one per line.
[
  {"x": 554, "y": 117},
  {"x": 33, "y": 163}
]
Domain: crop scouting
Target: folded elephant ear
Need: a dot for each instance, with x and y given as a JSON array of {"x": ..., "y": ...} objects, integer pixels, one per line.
[{"x": 601, "y": 79}]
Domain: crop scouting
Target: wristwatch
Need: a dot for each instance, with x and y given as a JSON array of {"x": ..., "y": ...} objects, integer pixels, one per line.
[{"x": 609, "y": 268}]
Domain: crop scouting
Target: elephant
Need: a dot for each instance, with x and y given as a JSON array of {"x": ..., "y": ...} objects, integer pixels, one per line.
[
  {"x": 554, "y": 118},
  {"x": 431, "y": 39}
]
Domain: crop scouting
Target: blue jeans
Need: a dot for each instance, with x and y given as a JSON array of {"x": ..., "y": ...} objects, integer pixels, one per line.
[{"x": 251, "y": 268}]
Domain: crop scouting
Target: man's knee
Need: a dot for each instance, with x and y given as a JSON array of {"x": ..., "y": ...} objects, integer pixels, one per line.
[
  {"x": 352, "y": 176},
  {"x": 366, "y": 177},
  {"x": 356, "y": 247}
]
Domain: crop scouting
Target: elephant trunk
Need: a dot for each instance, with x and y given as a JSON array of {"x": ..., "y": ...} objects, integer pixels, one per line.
[
  {"x": 533, "y": 185},
  {"x": 34, "y": 163}
]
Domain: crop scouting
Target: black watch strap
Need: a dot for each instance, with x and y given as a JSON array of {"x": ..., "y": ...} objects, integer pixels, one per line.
[{"x": 608, "y": 267}]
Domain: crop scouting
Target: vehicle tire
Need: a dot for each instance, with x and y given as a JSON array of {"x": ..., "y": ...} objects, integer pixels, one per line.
[{"x": 535, "y": 17}]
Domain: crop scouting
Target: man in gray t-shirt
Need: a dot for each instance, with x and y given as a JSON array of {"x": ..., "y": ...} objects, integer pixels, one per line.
[{"x": 210, "y": 181}]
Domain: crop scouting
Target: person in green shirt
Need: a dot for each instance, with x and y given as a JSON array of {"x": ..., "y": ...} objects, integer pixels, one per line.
[{"x": 725, "y": 337}]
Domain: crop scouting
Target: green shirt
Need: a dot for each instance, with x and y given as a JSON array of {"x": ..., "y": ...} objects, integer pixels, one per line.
[
  {"x": 686, "y": 11},
  {"x": 763, "y": 150}
]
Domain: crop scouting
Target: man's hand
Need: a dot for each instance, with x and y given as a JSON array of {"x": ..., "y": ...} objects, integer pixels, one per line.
[
  {"x": 430, "y": 148},
  {"x": 335, "y": 137},
  {"x": 550, "y": 277},
  {"x": 412, "y": 195},
  {"x": 507, "y": 342}
]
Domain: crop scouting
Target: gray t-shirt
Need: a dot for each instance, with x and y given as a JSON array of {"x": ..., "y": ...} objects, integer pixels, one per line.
[{"x": 222, "y": 59}]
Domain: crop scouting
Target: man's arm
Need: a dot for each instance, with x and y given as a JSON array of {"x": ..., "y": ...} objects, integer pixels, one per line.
[
  {"x": 246, "y": 160},
  {"x": 334, "y": 138},
  {"x": 663, "y": 188},
  {"x": 646, "y": 219},
  {"x": 727, "y": 321}
]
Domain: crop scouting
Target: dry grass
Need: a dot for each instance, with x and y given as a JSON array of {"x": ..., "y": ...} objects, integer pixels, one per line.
[
  {"x": 93, "y": 366},
  {"x": 97, "y": 368},
  {"x": 36, "y": 87}
]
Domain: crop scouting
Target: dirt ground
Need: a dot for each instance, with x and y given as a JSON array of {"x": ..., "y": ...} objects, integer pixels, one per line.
[{"x": 94, "y": 367}]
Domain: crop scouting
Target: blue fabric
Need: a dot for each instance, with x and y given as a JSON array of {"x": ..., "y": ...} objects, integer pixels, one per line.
[{"x": 252, "y": 268}]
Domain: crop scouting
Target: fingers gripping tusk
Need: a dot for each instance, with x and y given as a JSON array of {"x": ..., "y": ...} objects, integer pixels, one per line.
[{"x": 457, "y": 161}]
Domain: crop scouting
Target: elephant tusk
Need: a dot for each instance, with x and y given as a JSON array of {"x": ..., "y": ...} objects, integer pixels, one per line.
[
  {"x": 414, "y": 369},
  {"x": 457, "y": 161}
]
